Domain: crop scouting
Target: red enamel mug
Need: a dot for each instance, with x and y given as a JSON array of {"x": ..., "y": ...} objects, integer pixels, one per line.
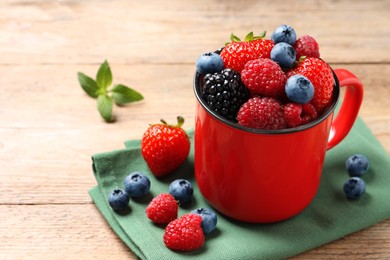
[{"x": 265, "y": 176}]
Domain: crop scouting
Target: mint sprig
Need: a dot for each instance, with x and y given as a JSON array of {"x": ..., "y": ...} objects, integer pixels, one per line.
[{"x": 101, "y": 89}]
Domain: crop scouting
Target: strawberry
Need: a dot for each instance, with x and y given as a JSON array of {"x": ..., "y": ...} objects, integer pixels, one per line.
[
  {"x": 262, "y": 113},
  {"x": 238, "y": 52},
  {"x": 162, "y": 209},
  {"x": 321, "y": 76},
  {"x": 306, "y": 46},
  {"x": 165, "y": 147},
  {"x": 184, "y": 233},
  {"x": 297, "y": 114},
  {"x": 264, "y": 77}
]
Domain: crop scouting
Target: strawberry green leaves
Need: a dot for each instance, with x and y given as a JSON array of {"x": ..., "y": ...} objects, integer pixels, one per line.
[{"x": 106, "y": 96}]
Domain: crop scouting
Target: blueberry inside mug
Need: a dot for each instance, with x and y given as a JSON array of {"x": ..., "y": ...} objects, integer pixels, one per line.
[{"x": 266, "y": 176}]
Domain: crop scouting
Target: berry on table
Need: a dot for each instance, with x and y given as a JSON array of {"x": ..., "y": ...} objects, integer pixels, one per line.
[
  {"x": 299, "y": 89},
  {"x": 262, "y": 113},
  {"x": 283, "y": 54},
  {"x": 137, "y": 184},
  {"x": 306, "y": 46},
  {"x": 284, "y": 33},
  {"x": 354, "y": 187},
  {"x": 118, "y": 199},
  {"x": 165, "y": 147},
  {"x": 209, "y": 219},
  {"x": 162, "y": 209},
  {"x": 357, "y": 165},
  {"x": 224, "y": 93},
  {"x": 209, "y": 62},
  {"x": 181, "y": 190},
  {"x": 264, "y": 77},
  {"x": 184, "y": 233},
  {"x": 237, "y": 53}
]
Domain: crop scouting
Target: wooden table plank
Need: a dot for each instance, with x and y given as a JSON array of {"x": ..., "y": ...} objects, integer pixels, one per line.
[
  {"x": 79, "y": 231},
  {"x": 86, "y": 32},
  {"x": 49, "y": 128},
  {"x": 58, "y": 232}
]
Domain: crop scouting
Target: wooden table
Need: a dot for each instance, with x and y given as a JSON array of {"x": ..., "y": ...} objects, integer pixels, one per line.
[{"x": 49, "y": 127}]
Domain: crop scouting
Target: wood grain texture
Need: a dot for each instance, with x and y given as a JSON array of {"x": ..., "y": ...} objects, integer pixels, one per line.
[
  {"x": 177, "y": 31},
  {"x": 49, "y": 128}
]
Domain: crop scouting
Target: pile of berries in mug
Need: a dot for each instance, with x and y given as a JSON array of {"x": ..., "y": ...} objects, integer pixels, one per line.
[{"x": 269, "y": 84}]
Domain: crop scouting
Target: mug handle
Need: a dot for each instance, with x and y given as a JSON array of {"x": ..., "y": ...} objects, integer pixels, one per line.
[{"x": 349, "y": 109}]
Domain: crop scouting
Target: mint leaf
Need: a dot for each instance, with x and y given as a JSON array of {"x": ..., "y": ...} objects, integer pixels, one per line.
[
  {"x": 104, "y": 76},
  {"x": 123, "y": 94},
  {"x": 99, "y": 88},
  {"x": 104, "y": 105},
  {"x": 88, "y": 84}
]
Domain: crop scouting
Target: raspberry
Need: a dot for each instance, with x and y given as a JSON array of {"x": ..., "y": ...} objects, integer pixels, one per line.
[
  {"x": 264, "y": 77},
  {"x": 185, "y": 233},
  {"x": 162, "y": 209},
  {"x": 262, "y": 113},
  {"x": 310, "y": 113},
  {"x": 321, "y": 76},
  {"x": 224, "y": 93},
  {"x": 306, "y": 46},
  {"x": 237, "y": 53},
  {"x": 292, "y": 114},
  {"x": 297, "y": 114}
]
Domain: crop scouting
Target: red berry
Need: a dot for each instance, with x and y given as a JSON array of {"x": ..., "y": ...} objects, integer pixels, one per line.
[
  {"x": 262, "y": 113},
  {"x": 321, "y": 76},
  {"x": 292, "y": 114},
  {"x": 162, "y": 209},
  {"x": 237, "y": 53},
  {"x": 310, "y": 113},
  {"x": 165, "y": 147},
  {"x": 185, "y": 233},
  {"x": 306, "y": 46},
  {"x": 264, "y": 77},
  {"x": 297, "y": 114}
]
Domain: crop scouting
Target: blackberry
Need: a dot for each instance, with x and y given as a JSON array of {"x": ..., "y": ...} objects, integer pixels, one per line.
[{"x": 224, "y": 93}]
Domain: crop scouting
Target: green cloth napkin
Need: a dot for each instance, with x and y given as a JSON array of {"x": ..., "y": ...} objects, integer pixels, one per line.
[{"x": 330, "y": 216}]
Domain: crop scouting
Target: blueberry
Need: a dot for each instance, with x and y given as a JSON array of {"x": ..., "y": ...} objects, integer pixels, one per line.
[
  {"x": 357, "y": 165},
  {"x": 354, "y": 187},
  {"x": 283, "y": 54},
  {"x": 209, "y": 219},
  {"x": 299, "y": 89},
  {"x": 284, "y": 33},
  {"x": 137, "y": 184},
  {"x": 181, "y": 190},
  {"x": 118, "y": 199},
  {"x": 209, "y": 62}
]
